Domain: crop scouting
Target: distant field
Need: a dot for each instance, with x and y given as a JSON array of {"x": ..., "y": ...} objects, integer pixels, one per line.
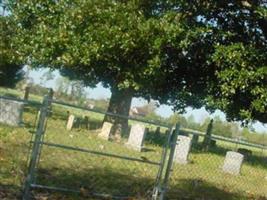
[{"x": 202, "y": 178}]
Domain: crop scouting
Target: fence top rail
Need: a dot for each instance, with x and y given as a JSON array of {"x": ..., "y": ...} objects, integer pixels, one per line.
[
  {"x": 99, "y": 153},
  {"x": 218, "y": 137},
  {"x": 28, "y": 102},
  {"x": 114, "y": 114}
]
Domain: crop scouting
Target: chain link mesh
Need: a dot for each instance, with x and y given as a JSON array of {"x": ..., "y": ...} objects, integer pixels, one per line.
[
  {"x": 204, "y": 175},
  {"x": 130, "y": 174}
]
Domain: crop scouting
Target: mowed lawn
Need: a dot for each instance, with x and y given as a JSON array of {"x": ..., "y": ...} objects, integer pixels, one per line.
[{"x": 88, "y": 173}]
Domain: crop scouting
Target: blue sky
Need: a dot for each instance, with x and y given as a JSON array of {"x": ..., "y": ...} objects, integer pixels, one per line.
[{"x": 103, "y": 93}]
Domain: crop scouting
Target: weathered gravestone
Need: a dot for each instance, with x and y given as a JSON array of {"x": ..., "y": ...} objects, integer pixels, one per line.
[
  {"x": 26, "y": 93},
  {"x": 11, "y": 112},
  {"x": 137, "y": 137},
  {"x": 70, "y": 122},
  {"x": 233, "y": 162},
  {"x": 85, "y": 122},
  {"x": 105, "y": 131},
  {"x": 157, "y": 132},
  {"x": 182, "y": 149},
  {"x": 195, "y": 139}
]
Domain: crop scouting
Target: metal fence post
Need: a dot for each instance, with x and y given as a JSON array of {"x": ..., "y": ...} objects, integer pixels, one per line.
[
  {"x": 36, "y": 148},
  {"x": 157, "y": 188},
  {"x": 172, "y": 145}
]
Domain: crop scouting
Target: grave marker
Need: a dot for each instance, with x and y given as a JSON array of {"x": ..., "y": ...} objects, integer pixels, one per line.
[
  {"x": 70, "y": 122},
  {"x": 195, "y": 138},
  {"x": 11, "y": 112},
  {"x": 182, "y": 149},
  {"x": 105, "y": 131},
  {"x": 233, "y": 162},
  {"x": 137, "y": 137}
]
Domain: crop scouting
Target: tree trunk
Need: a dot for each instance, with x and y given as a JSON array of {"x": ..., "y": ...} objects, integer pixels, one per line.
[{"x": 120, "y": 103}]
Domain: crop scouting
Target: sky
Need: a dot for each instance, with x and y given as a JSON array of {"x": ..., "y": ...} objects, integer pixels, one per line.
[{"x": 165, "y": 111}]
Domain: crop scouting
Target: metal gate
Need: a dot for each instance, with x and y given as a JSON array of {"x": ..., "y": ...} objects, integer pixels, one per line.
[{"x": 110, "y": 169}]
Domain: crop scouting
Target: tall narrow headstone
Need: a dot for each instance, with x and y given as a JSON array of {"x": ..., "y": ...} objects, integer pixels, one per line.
[
  {"x": 182, "y": 149},
  {"x": 137, "y": 137},
  {"x": 157, "y": 132},
  {"x": 11, "y": 112},
  {"x": 233, "y": 163},
  {"x": 207, "y": 138},
  {"x": 70, "y": 122},
  {"x": 27, "y": 92},
  {"x": 195, "y": 139},
  {"x": 105, "y": 131}
]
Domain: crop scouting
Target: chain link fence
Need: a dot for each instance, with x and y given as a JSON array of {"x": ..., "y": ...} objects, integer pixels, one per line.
[
  {"x": 18, "y": 119},
  {"x": 72, "y": 151},
  {"x": 206, "y": 166}
]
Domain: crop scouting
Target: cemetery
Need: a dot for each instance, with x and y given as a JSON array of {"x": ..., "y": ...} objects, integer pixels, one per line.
[
  {"x": 133, "y": 100},
  {"x": 219, "y": 170}
]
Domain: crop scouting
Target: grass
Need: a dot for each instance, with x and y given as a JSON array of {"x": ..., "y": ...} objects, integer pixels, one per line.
[{"x": 202, "y": 178}]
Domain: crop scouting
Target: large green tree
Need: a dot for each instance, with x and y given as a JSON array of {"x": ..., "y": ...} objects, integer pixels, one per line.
[
  {"x": 123, "y": 44},
  {"x": 171, "y": 51},
  {"x": 239, "y": 57}
]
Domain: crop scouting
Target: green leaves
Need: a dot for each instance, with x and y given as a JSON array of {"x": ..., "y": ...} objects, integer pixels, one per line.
[
  {"x": 242, "y": 79},
  {"x": 10, "y": 59},
  {"x": 180, "y": 53}
]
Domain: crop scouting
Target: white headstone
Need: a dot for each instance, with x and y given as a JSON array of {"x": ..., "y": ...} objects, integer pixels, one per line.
[
  {"x": 137, "y": 137},
  {"x": 233, "y": 162},
  {"x": 105, "y": 131},
  {"x": 70, "y": 122},
  {"x": 11, "y": 112},
  {"x": 182, "y": 149}
]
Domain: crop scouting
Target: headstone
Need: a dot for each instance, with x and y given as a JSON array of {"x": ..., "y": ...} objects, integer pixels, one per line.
[
  {"x": 85, "y": 123},
  {"x": 195, "y": 139},
  {"x": 77, "y": 122},
  {"x": 105, "y": 131},
  {"x": 11, "y": 112},
  {"x": 27, "y": 92},
  {"x": 137, "y": 137},
  {"x": 213, "y": 143},
  {"x": 157, "y": 132},
  {"x": 233, "y": 162},
  {"x": 182, "y": 149},
  {"x": 70, "y": 122}
]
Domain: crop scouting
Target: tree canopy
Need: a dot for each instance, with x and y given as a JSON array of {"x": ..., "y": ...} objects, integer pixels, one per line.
[
  {"x": 10, "y": 66},
  {"x": 182, "y": 53}
]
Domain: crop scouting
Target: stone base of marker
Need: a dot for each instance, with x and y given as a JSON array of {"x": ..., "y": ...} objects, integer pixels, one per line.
[
  {"x": 11, "y": 112},
  {"x": 182, "y": 149},
  {"x": 233, "y": 163},
  {"x": 137, "y": 137}
]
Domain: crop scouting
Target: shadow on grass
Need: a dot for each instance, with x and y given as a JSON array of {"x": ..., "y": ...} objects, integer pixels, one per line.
[
  {"x": 8, "y": 192},
  {"x": 199, "y": 189},
  {"x": 117, "y": 183}
]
